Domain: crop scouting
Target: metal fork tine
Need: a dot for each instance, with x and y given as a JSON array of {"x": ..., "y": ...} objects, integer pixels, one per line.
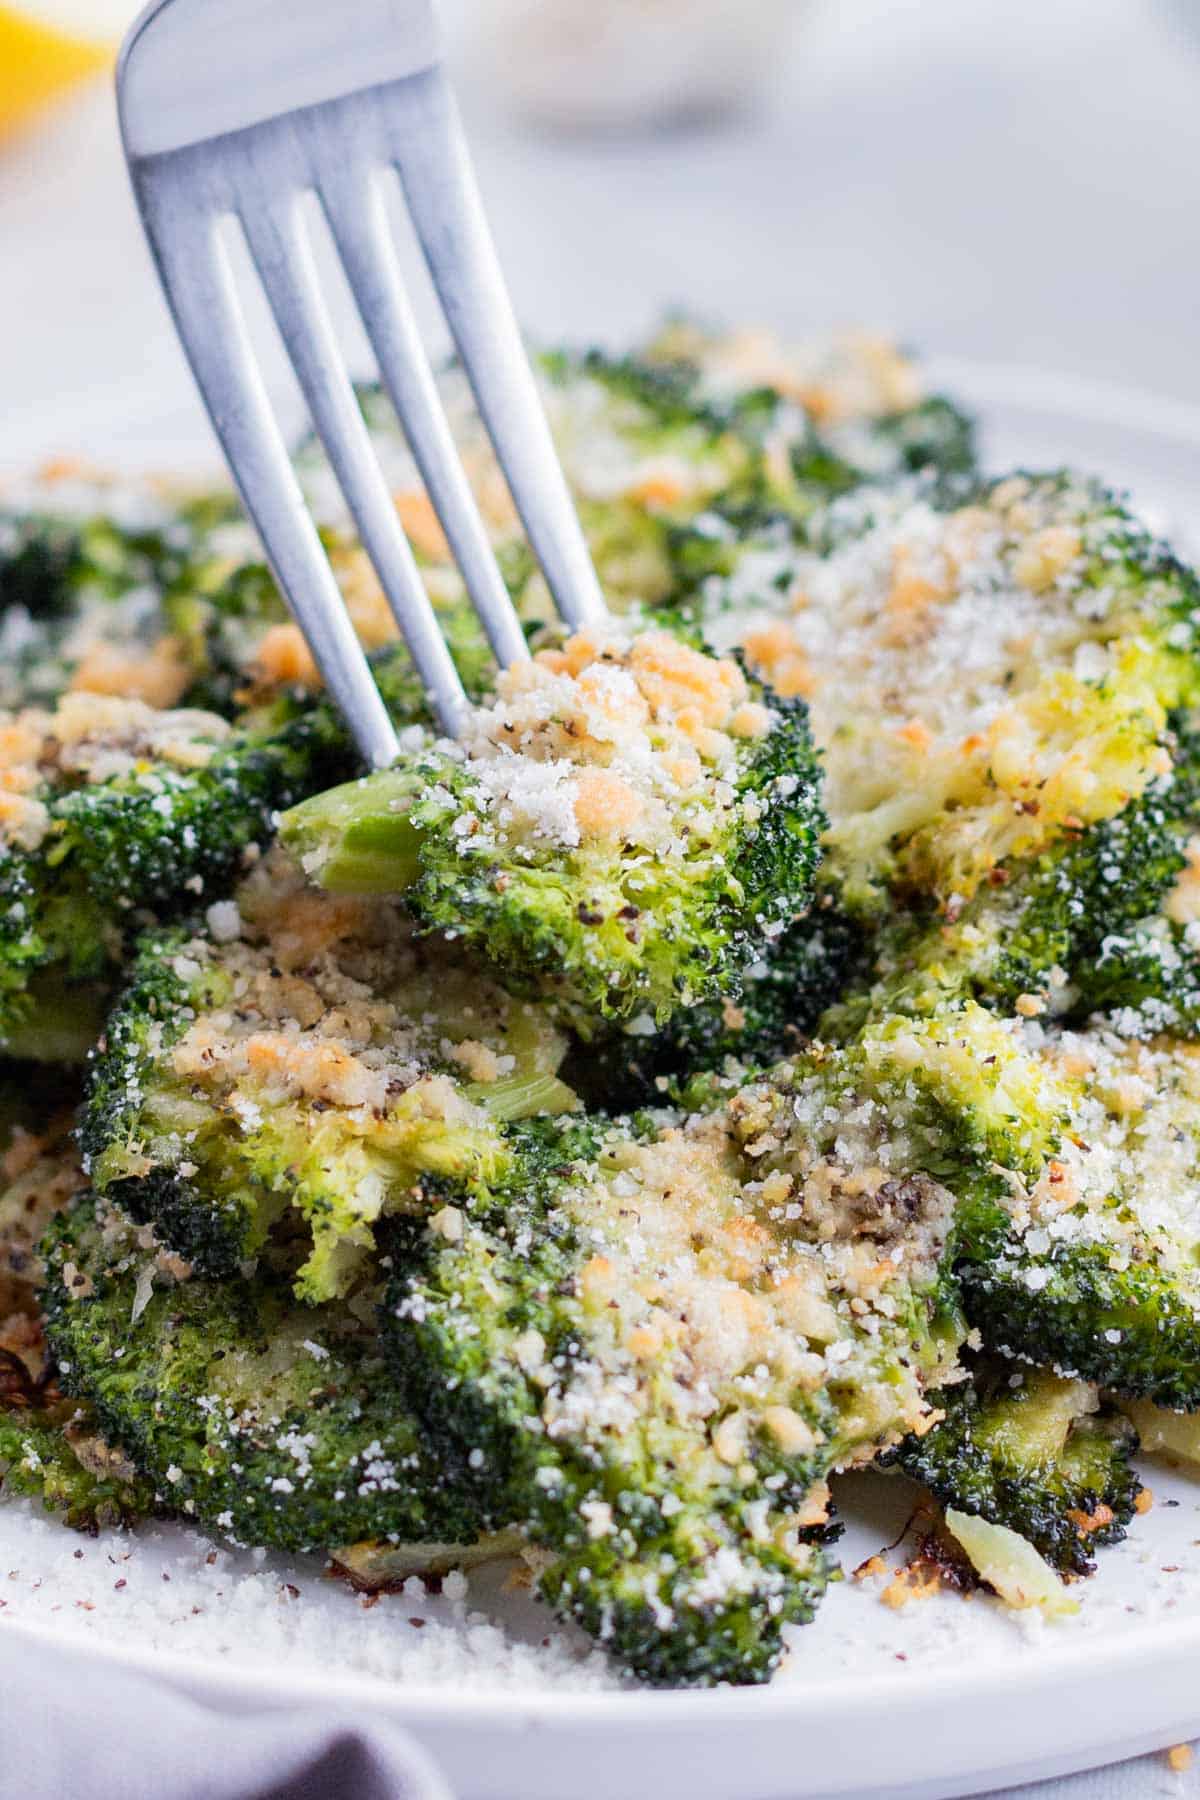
[
  {"x": 282, "y": 254},
  {"x": 199, "y": 287},
  {"x": 427, "y": 142},
  {"x": 354, "y": 207}
]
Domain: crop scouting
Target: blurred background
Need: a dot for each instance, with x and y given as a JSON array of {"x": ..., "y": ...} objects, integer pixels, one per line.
[{"x": 1010, "y": 184}]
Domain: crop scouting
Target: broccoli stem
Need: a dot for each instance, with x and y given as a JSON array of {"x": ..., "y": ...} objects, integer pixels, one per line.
[
  {"x": 361, "y": 833},
  {"x": 522, "y": 1095}
]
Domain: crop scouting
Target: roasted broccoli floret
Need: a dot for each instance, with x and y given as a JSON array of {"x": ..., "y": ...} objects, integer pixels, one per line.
[
  {"x": 150, "y": 594},
  {"x": 85, "y": 566},
  {"x": 113, "y": 812},
  {"x": 112, "y": 807},
  {"x": 1036, "y": 1452},
  {"x": 773, "y": 439},
  {"x": 246, "y": 649},
  {"x": 1079, "y": 928},
  {"x": 933, "y": 435},
  {"x": 304, "y": 1066},
  {"x": 1146, "y": 979},
  {"x": 989, "y": 672},
  {"x": 826, "y": 415},
  {"x": 1049, "y": 921},
  {"x": 1145, "y": 972},
  {"x": 622, "y": 829},
  {"x": 1071, "y": 1157},
  {"x": 653, "y": 1344},
  {"x": 641, "y": 455},
  {"x": 1089, "y": 1265},
  {"x": 669, "y": 447},
  {"x": 645, "y": 453},
  {"x": 749, "y": 441},
  {"x": 270, "y": 1422}
]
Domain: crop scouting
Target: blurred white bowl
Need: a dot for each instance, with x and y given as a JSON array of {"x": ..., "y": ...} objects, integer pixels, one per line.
[{"x": 613, "y": 64}]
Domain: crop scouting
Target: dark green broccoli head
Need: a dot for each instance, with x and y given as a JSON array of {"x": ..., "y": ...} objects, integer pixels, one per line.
[
  {"x": 1132, "y": 1328},
  {"x": 44, "y": 559},
  {"x": 50, "y": 1448},
  {"x": 1036, "y": 1452},
  {"x": 653, "y": 1345},
  {"x": 148, "y": 593},
  {"x": 931, "y": 437},
  {"x": 737, "y": 559},
  {"x": 272, "y": 1423},
  {"x": 1071, "y": 1158},
  {"x": 658, "y": 401},
  {"x": 144, "y": 592},
  {"x": 231, "y": 629},
  {"x": 759, "y": 445},
  {"x": 50, "y": 1451},
  {"x": 990, "y": 671},
  {"x": 1145, "y": 972},
  {"x": 1054, "y": 916},
  {"x": 646, "y": 452},
  {"x": 673, "y": 1626},
  {"x": 622, "y": 829},
  {"x": 1091, "y": 1267},
  {"x": 934, "y": 434},
  {"x": 303, "y": 1067},
  {"x": 1146, "y": 979},
  {"x": 800, "y": 974},
  {"x": 959, "y": 1092}
]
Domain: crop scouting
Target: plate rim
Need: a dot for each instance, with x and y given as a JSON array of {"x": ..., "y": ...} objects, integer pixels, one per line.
[
  {"x": 1170, "y": 1646},
  {"x": 674, "y": 1705}
]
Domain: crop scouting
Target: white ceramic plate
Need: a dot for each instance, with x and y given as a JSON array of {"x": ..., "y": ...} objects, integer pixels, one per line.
[{"x": 947, "y": 1696}]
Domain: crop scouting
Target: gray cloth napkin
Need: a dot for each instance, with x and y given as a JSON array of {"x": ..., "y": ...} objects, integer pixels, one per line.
[{"x": 71, "y": 1726}]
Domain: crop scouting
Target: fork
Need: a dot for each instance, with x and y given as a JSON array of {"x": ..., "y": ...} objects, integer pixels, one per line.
[{"x": 230, "y": 112}]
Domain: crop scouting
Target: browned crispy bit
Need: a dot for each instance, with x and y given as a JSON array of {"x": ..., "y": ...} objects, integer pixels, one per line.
[
  {"x": 1086, "y": 1523},
  {"x": 938, "y": 1562},
  {"x": 18, "y": 1388},
  {"x": 874, "y": 1565}
]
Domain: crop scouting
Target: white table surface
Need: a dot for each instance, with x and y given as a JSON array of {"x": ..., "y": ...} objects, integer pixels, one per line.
[{"x": 1010, "y": 183}]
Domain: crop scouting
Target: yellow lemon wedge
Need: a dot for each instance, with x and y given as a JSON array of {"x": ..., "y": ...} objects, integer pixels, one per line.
[{"x": 47, "y": 46}]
